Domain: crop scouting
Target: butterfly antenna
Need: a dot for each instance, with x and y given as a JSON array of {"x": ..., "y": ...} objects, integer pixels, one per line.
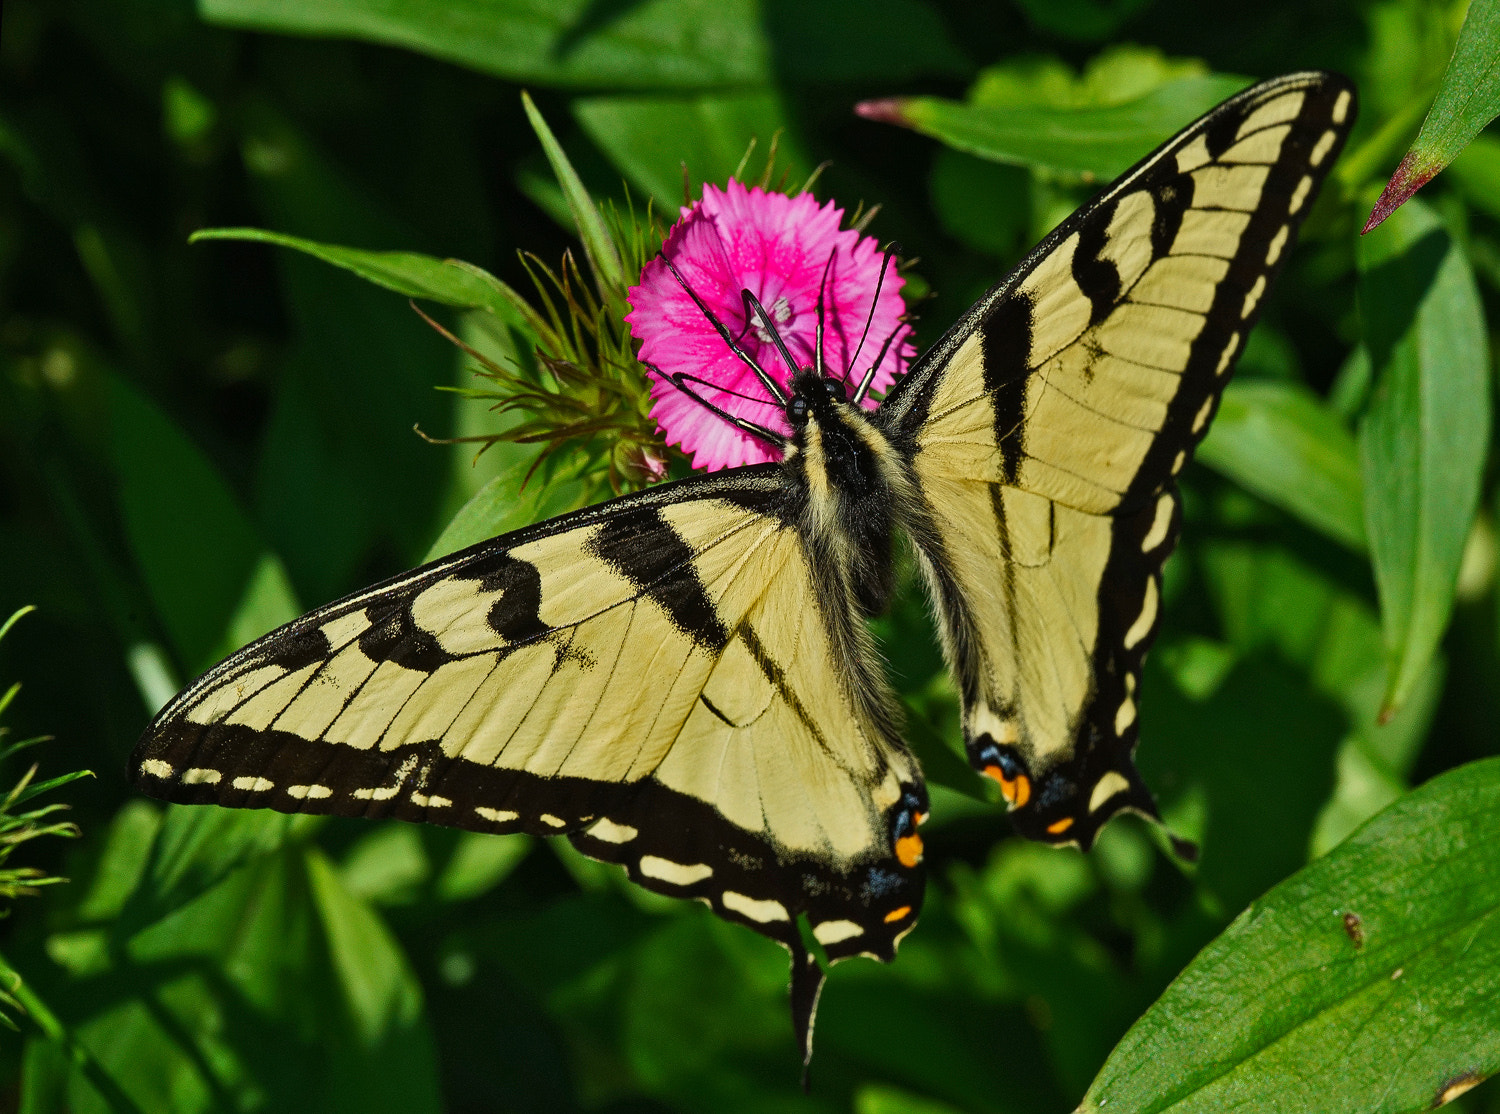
[
  {"x": 681, "y": 380},
  {"x": 818, "y": 339},
  {"x": 753, "y": 308},
  {"x": 869, "y": 377},
  {"x": 891, "y": 249},
  {"x": 772, "y": 387}
]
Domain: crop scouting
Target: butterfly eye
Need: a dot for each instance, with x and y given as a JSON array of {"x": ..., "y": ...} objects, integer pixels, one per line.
[
  {"x": 796, "y": 411},
  {"x": 835, "y": 389}
]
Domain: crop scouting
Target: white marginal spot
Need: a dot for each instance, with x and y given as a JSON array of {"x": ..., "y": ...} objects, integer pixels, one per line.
[
  {"x": 1105, "y": 788},
  {"x": 678, "y": 874},
  {"x": 552, "y": 821},
  {"x": 157, "y": 768},
  {"x": 383, "y": 794},
  {"x": 610, "y": 832},
  {"x": 1252, "y": 299},
  {"x": 1228, "y": 357},
  {"x": 1130, "y": 683},
  {"x": 836, "y": 932},
  {"x": 1179, "y": 461},
  {"x": 1124, "y": 717},
  {"x": 1147, "y": 618},
  {"x": 201, "y": 775},
  {"x": 498, "y": 815},
  {"x": 1273, "y": 253},
  {"x": 309, "y": 792},
  {"x": 1159, "y": 525},
  {"x": 253, "y": 784},
  {"x": 1200, "y": 419},
  {"x": 1341, "y": 107},
  {"x": 1324, "y": 145},
  {"x": 762, "y": 911},
  {"x": 1299, "y": 195},
  {"x": 422, "y": 800}
]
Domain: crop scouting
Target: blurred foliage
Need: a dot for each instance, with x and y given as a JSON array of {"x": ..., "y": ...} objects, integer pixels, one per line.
[{"x": 197, "y": 442}]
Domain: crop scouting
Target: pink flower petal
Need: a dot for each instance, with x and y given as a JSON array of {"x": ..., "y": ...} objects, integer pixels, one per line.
[{"x": 775, "y": 246}]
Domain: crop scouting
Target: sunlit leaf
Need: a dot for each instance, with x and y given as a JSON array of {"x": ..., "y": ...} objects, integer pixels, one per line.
[
  {"x": 449, "y": 281},
  {"x": 598, "y": 246},
  {"x": 211, "y": 577},
  {"x": 1467, "y": 100},
  {"x": 1090, "y": 143},
  {"x": 652, "y": 139},
  {"x": 1369, "y": 980},
  {"x": 1281, "y": 442},
  {"x": 1424, "y": 440}
]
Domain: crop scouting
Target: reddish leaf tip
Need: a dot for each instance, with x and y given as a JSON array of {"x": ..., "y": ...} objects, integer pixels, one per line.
[
  {"x": 885, "y": 110},
  {"x": 1407, "y": 180}
]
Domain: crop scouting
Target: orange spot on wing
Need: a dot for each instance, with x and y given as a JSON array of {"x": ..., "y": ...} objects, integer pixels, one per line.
[
  {"x": 896, "y": 914},
  {"x": 1057, "y": 827},
  {"x": 909, "y": 850},
  {"x": 1017, "y": 792}
]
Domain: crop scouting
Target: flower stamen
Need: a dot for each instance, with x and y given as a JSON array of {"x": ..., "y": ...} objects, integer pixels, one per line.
[{"x": 768, "y": 329}]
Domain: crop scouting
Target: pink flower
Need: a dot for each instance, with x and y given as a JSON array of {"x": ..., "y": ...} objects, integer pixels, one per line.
[{"x": 776, "y": 247}]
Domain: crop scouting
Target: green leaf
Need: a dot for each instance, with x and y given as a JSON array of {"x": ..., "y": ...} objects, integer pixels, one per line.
[
  {"x": 1096, "y": 143},
  {"x": 1281, "y": 442},
  {"x": 657, "y": 44},
  {"x": 1369, "y": 980},
  {"x": 197, "y": 848},
  {"x": 379, "y": 989},
  {"x": 210, "y": 576},
  {"x": 653, "y": 45},
  {"x": 1467, "y": 100},
  {"x": 651, "y": 139},
  {"x": 503, "y": 505},
  {"x": 1424, "y": 439},
  {"x": 449, "y": 281},
  {"x": 598, "y": 245}
]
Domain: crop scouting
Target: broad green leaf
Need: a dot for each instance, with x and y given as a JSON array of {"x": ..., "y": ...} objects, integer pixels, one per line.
[
  {"x": 657, "y": 44},
  {"x": 479, "y": 863},
  {"x": 449, "y": 281},
  {"x": 503, "y": 505},
  {"x": 1467, "y": 100},
  {"x": 1368, "y": 981},
  {"x": 195, "y": 849},
  {"x": 1090, "y": 143},
  {"x": 1424, "y": 438},
  {"x": 1281, "y": 442},
  {"x": 598, "y": 245},
  {"x": 653, "y": 45},
  {"x": 210, "y": 576},
  {"x": 651, "y": 139},
  {"x": 379, "y": 988}
]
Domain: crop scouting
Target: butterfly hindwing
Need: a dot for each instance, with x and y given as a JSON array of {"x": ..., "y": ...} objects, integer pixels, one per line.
[
  {"x": 655, "y": 677},
  {"x": 1047, "y": 428}
]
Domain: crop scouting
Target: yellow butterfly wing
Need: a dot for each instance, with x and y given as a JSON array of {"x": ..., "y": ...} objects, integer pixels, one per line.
[
  {"x": 1047, "y": 427},
  {"x": 657, "y": 678}
]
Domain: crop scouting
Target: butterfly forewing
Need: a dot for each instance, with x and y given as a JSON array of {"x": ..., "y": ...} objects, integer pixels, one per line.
[
  {"x": 655, "y": 677},
  {"x": 1047, "y": 427}
]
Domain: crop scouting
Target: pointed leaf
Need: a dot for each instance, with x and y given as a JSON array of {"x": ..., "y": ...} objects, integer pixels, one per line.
[
  {"x": 449, "y": 281},
  {"x": 1423, "y": 441},
  {"x": 1279, "y": 441},
  {"x": 603, "y": 256},
  {"x": 1467, "y": 100},
  {"x": 1092, "y": 143},
  {"x": 1369, "y": 980}
]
